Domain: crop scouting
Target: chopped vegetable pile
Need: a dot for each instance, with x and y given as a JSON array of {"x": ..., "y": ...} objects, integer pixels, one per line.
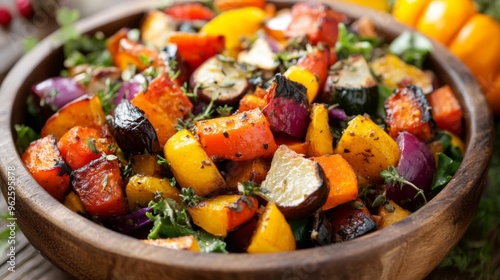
[{"x": 243, "y": 129}]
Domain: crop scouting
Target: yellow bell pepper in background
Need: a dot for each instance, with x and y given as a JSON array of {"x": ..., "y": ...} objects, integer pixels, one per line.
[{"x": 474, "y": 38}]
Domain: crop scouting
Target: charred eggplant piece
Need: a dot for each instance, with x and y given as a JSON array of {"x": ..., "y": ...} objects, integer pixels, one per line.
[
  {"x": 296, "y": 184},
  {"x": 219, "y": 78},
  {"x": 287, "y": 109},
  {"x": 351, "y": 220},
  {"x": 352, "y": 86},
  {"x": 408, "y": 109},
  {"x": 322, "y": 230},
  {"x": 132, "y": 130}
]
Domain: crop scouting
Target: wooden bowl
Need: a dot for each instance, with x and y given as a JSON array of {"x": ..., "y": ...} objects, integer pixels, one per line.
[{"x": 409, "y": 249}]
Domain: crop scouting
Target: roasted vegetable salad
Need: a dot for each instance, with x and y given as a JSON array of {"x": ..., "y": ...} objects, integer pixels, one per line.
[{"x": 244, "y": 128}]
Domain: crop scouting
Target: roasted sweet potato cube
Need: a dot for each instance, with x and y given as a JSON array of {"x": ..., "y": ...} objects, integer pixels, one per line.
[
  {"x": 316, "y": 20},
  {"x": 84, "y": 111},
  {"x": 408, "y": 109},
  {"x": 100, "y": 187},
  {"x": 45, "y": 163},
  {"x": 351, "y": 220}
]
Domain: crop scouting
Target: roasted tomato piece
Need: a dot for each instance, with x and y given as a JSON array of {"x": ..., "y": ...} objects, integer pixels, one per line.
[
  {"x": 188, "y": 12},
  {"x": 315, "y": 20},
  {"x": 81, "y": 145},
  {"x": 100, "y": 187},
  {"x": 408, "y": 109},
  {"x": 45, "y": 163},
  {"x": 195, "y": 48}
]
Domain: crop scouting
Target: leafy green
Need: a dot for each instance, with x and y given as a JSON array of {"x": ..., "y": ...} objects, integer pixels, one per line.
[
  {"x": 349, "y": 43},
  {"x": 189, "y": 197},
  {"x": 448, "y": 148},
  {"x": 489, "y": 7},
  {"x": 171, "y": 219},
  {"x": 65, "y": 17},
  {"x": 87, "y": 49},
  {"x": 474, "y": 253},
  {"x": 25, "y": 135},
  {"x": 29, "y": 43},
  {"x": 108, "y": 95},
  {"x": 412, "y": 47},
  {"x": 446, "y": 168},
  {"x": 383, "y": 93}
]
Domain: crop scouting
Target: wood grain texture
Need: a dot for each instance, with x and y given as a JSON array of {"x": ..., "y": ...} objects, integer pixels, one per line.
[{"x": 407, "y": 250}]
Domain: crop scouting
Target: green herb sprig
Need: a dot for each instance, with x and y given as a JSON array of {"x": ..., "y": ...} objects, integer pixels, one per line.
[{"x": 392, "y": 176}]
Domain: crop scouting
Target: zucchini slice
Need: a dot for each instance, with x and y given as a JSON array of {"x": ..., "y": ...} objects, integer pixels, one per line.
[{"x": 351, "y": 85}]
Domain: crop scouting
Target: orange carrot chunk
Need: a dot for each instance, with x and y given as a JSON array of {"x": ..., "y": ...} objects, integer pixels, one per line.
[
  {"x": 446, "y": 110},
  {"x": 341, "y": 179},
  {"x": 80, "y": 145},
  {"x": 238, "y": 137},
  {"x": 45, "y": 163}
]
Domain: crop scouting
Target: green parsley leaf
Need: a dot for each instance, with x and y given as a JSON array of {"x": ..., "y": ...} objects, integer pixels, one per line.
[
  {"x": 445, "y": 170},
  {"x": 171, "y": 219},
  {"x": 25, "y": 135}
]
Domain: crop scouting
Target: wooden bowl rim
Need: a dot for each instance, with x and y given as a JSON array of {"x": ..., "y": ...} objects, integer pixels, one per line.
[{"x": 478, "y": 119}]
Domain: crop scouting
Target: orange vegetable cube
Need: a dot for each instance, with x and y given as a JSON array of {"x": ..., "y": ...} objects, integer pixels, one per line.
[
  {"x": 100, "y": 187},
  {"x": 254, "y": 170},
  {"x": 341, "y": 179},
  {"x": 223, "y": 213},
  {"x": 81, "y": 145},
  {"x": 45, "y": 163},
  {"x": 237, "y": 137},
  {"x": 446, "y": 110},
  {"x": 389, "y": 218},
  {"x": 408, "y": 109},
  {"x": 84, "y": 111}
]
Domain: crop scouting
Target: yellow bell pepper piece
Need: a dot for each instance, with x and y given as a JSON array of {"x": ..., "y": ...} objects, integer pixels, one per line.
[
  {"x": 318, "y": 134},
  {"x": 141, "y": 190},
  {"x": 389, "y": 218},
  {"x": 368, "y": 149},
  {"x": 234, "y": 24},
  {"x": 381, "y": 5},
  {"x": 191, "y": 165},
  {"x": 306, "y": 78},
  {"x": 215, "y": 215},
  {"x": 73, "y": 203},
  {"x": 273, "y": 234}
]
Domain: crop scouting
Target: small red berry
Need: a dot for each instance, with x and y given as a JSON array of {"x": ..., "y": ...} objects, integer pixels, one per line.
[
  {"x": 24, "y": 8},
  {"x": 5, "y": 17}
]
